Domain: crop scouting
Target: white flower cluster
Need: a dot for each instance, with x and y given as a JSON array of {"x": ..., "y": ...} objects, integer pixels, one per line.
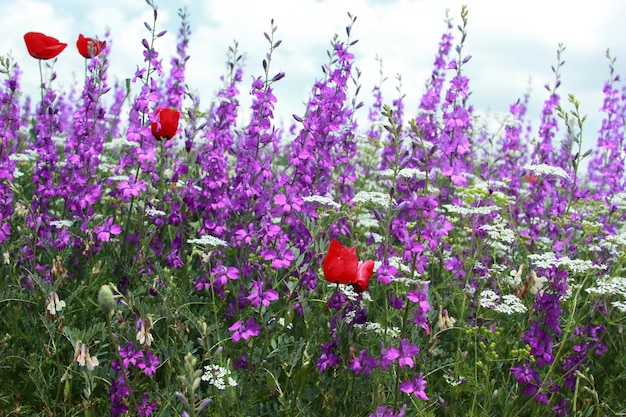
[
  {"x": 499, "y": 231},
  {"x": 326, "y": 201},
  {"x": 27, "y": 156},
  {"x": 620, "y": 305},
  {"x": 218, "y": 377},
  {"x": 367, "y": 221},
  {"x": 548, "y": 259},
  {"x": 151, "y": 211},
  {"x": 404, "y": 173},
  {"x": 207, "y": 240},
  {"x": 61, "y": 224},
  {"x": 611, "y": 286},
  {"x": 507, "y": 304},
  {"x": 119, "y": 143},
  {"x": 545, "y": 169},
  {"x": 374, "y": 197},
  {"x": 470, "y": 210},
  {"x": 378, "y": 329}
]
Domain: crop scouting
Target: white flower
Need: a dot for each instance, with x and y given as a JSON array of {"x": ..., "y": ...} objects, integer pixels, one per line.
[
  {"x": 470, "y": 210},
  {"x": 60, "y": 224},
  {"x": 507, "y": 304},
  {"x": 81, "y": 355},
  {"x": 374, "y": 197},
  {"x": 215, "y": 374},
  {"x": 544, "y": 169},
  {"x": 326, "y": 201},
  {"x": 53, "y": 304},
  {"x": 144, "y": 337},
  {"x": 499, "y": 231},
  {"x": 207, "y": 240}
]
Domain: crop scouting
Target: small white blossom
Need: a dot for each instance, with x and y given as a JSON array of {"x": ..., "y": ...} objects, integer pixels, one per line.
[
  {"x": 378, "y": 329},
  {"x": 470, "y": 210},
  {"x": 151, "y": 211},
  {"x": 144, "y": 337},
  {"x": 118, "y": 143},
  {"x": 488, "y": 299},
  {"x": 60, "y": 224},
  {"x": 507, "y": 304},
  {"x": 215, "y": 375},
  {"x": 374, "y": 197},
  {"x": 620, "y": 305},
  {"x": 81, "y": 355},
  {"x": 207, "y": 240},
  {"x": 53, "y": 304},
  {"x": 510, "y": 304},
  {"x": 326, "y": 201},
  {"x": 499, "y": 231},
  {"x": 27, "y": 156},
  {"x": 544, "y": 169},
  {"x": 611, "y": 286}
]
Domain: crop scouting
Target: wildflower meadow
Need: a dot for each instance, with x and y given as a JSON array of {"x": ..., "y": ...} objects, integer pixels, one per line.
[{"x": 164, "y": 254}]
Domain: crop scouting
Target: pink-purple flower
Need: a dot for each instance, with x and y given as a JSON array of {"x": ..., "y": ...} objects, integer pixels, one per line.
[{"x": 245, "y": 330}]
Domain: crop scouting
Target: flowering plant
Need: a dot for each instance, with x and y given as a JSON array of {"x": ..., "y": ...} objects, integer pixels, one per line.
[{"x": 205, "y": 275}]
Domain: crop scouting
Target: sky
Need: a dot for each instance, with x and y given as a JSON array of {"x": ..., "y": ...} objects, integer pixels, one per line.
[{"x": 513, "y": 44}]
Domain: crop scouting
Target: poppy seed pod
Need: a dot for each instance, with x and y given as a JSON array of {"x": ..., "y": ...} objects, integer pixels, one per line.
[{"x": 105, "y": 299}]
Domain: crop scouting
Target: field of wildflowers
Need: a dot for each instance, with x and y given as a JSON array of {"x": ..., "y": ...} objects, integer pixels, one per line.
[{"x": 162, "y": 256}]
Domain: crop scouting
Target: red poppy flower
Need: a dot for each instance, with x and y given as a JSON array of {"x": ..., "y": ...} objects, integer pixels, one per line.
[
  {"x": 341, "y": 266},
  {"x": 41, "y": 46},
  {"x": 88, "y": 47},
  {"x": 166, "y": 123}
]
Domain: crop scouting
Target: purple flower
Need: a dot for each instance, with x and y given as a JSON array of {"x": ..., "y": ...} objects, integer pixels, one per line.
[
  {"x": 131, "y": 188},
  {"x": 363, "y": 364},
  {"x": 145, "y": 407},
  {"x": 103, "y": 233},
  {"x": 148, "y": 363},
  {"x": 384, "y": 411},
  {"x": 259, "y": 295},
  {"x": 243, "y": 330},
  {"x": 328, "y": 357},
  {"x": 129, "y": 354},
  {"x": 404, "y": 354},
  {"x": 416, "y": 386}
]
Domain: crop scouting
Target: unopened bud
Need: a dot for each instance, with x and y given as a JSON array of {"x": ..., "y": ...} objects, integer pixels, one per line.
[{"x": 105, "y": 299}]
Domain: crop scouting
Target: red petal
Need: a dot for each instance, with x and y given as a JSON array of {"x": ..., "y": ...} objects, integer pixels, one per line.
[
  {"x": 366, "y": 269},
  {"x": 341, "y": 264}
]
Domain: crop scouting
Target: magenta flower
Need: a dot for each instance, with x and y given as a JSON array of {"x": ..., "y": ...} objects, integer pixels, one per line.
[
  {"x": 148, "y": 363},
  {"x": 416, "y": 386},
  {"x": 243, "y": 330},
  {"x": 103, "y": 233},
  {"x": 259, "y": 295},
  {"x": 404, "y": 354}
]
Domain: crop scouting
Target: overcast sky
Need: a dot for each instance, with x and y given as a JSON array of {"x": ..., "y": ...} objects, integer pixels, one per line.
[{"x": 513, "y": 44}]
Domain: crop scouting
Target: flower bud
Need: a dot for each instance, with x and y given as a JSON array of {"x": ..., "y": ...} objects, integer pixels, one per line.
[{"x": 105, "y": 299}]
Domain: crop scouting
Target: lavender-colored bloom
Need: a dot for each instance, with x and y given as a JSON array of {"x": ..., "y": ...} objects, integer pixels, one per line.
[
  {"x": 363, "y": 364},
  {"x": 103, "y": 232},
  {"x": 328, "y": 358},
  {"x": 404, "y": 354},
  {"x": 148, "y": 363},
  {"x": 259, "y": 295},
  {"x": 415, "y": 386},
  {"x": 146, "y": 408},
  {"x": 384, "y": 411},
  {"x": 245, "y": 330},
  {"x": 129, "y": 355}
]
